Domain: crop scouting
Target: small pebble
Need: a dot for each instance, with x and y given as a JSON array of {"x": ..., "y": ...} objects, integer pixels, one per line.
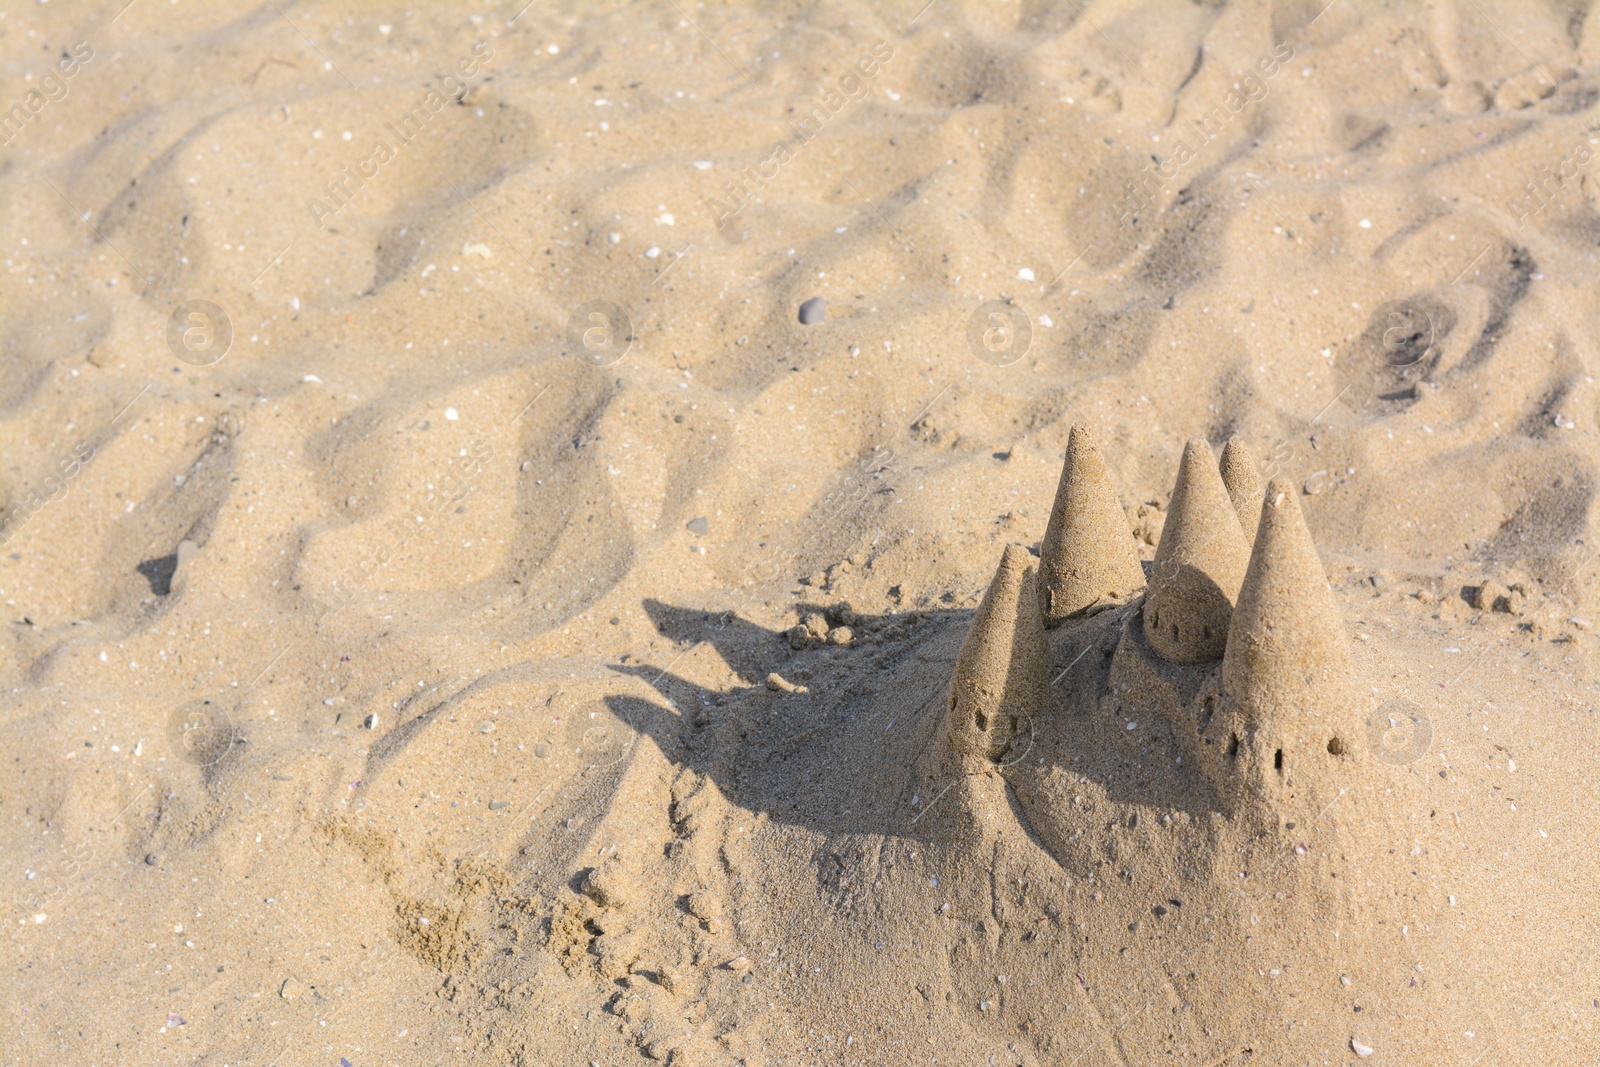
[{"x": 813, "y": 311}]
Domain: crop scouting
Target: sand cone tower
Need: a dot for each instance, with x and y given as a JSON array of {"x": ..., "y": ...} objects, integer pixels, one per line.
[
  {"x": 1001, "y": 673},
  {"x": 1286, "y": 673},
  {"x": 1199, "y": 565},
  {"x": 1244, "y": 485},
  {"x": 1087, "y": 554}
]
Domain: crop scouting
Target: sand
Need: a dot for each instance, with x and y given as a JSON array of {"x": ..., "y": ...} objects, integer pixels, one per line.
[{"x": 457, "y": 612}]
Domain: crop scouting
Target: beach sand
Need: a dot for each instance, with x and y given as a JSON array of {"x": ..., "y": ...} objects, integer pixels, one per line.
[{"x": 457, "y": 612}]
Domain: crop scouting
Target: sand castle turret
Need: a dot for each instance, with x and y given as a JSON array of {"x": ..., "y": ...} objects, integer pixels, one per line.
[
  {"x": 1087, "y": 555},
  {"x": 1199, "y": 565},
  {"x": 1243, "y": 483},
  {"x": 1286, "y": 673},
  {"x": 1001, "y": 673}
]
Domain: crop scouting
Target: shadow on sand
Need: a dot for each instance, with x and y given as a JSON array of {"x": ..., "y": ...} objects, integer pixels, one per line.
[{"x": 842, "y": 757}]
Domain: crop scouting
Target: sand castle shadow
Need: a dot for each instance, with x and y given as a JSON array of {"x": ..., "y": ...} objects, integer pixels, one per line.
[
  {"x": 836, "y": 753},
  {"x": 844, "y": 756},
  {"x": 746, "y": 647}
]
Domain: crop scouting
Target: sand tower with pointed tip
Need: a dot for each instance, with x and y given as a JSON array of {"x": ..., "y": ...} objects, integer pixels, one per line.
[
  {"x": 1001, "y": 672},
  {"x": 1199, "y": 565},
  {"x": 1243, "y": 483},
  {"x": 1087, "y": 555},
  {"x": 1286, "y": 673}
]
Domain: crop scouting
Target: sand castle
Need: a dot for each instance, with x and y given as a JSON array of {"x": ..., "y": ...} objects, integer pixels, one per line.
[
  {"x": 1199, "y": 565},
  {"x": 1244, "y": 486},
  {"x": 1000, "y": 675},
  {"x": 1238, "y": 646},
  {"x": 1086, "y": 559}
]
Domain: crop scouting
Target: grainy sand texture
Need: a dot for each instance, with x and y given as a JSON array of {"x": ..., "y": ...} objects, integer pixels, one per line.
[{"x": 814, "y": 534}]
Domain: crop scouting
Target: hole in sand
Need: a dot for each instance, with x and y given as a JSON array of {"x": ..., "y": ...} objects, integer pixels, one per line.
[
  {"x": 982, "y": 720},
  {"x": 1277, "y": 760},
  {"x": 1233, "y": 747}
]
